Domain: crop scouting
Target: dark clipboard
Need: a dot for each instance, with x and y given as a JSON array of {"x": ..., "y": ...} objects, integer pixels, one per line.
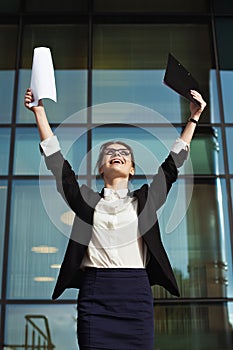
[{"x": 179, "y": 79}]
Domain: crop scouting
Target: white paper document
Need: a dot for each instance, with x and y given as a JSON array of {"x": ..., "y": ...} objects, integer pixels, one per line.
[{"x": 42, "y": 77}]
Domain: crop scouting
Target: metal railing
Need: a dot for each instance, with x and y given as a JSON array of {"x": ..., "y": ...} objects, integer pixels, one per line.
[{"x": 34, "y": 337}]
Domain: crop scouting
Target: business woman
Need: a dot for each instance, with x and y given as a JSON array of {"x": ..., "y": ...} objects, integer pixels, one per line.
[{"x": 115, "y": 252}]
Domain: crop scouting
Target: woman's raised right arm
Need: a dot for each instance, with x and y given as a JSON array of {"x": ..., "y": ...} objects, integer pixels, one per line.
[{"x": 43, "y": 126}]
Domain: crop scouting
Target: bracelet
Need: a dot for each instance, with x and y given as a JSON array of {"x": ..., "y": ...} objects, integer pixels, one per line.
[{"x": 193, "y": 121}]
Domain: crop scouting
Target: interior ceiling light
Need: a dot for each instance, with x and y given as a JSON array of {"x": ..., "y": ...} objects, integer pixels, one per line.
[
  {"x": 67, "y": 217},
  {"x": 44, "y": 279},
  {"x": 44, "y": 249},
  {"x": 55, "y": 266}
]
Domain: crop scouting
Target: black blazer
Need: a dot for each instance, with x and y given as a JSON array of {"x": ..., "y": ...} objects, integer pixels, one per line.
[{"x": 82, "y": 200}]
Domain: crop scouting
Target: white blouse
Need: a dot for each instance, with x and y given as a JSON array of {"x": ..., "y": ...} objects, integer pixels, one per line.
[{"x": 116, "y": 240}]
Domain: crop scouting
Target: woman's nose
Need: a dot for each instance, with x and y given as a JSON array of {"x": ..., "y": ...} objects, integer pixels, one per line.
[{"x": 117, "y": 152}]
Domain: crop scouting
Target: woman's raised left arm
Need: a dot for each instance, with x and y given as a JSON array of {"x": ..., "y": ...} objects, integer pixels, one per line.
[{"x": 196, "y": 112}]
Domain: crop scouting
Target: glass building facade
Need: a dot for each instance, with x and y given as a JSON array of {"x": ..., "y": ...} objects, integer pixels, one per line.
[{"x": 110, "y": 59}]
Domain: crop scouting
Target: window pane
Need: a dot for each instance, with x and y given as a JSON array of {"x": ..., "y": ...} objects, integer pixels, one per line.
[
  {"x": 129, "y": 62},
  {"x": 206, "y": 151},
  {"x": 4, "y": 150},
  {"x": 37, "y": 242},
  {"x": 229, "y": 136},
  {"x": 8, "y": 40},
  {"x": 199, "y": 245},
  {"x": 70, "y": 64},
  {"x": 150, "y": 5},
  {"x": 227, "y": 82},
  {"x": 3, "y": 196},
  {"x": 27, "y": 158},
  {"x": 196, "y": 327},
  {"x": 61, "y": 325}
]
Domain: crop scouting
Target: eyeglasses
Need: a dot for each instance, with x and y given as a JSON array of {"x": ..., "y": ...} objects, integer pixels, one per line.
[{"x": 122, "y": 151}]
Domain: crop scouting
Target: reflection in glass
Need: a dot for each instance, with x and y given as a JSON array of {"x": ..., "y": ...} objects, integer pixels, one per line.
[
  {"x": 4, "y": 150},
  {"x": 196, "y": 327},
  {"x": 206, "y": 151},
  {"x": 36, "y": 245},
  {"x": 199, "y": 246},
  {"x": 61, "y": 325},
  {"x": 27, "y": 155},
  {"x": 3, "y": 196}
]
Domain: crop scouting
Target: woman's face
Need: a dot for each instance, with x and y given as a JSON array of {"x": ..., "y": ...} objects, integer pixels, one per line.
[{"x": 117, "y": 162}]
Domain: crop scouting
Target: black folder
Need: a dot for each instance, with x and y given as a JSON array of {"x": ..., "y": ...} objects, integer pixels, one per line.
[{"x": 180, "y": 79}]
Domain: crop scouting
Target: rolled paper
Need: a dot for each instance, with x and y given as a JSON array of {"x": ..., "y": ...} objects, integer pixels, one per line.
[{"x": 42, "y": 77}]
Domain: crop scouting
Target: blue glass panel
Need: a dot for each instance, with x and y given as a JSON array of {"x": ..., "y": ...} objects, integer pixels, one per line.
[
  {"x": 4, "y": 150},
  {"x": 214, "y": 101},
  {"x": 27, "y": 158},
  {"x": 71, "y": 97},
  {"x": 139, "y": 87},
  {"x": 39, "y": 233},
  {"x": 229, "y": 137},
  {"x": 61, "y": 326},
  {"x": 6, "y": 96},
  {"x": 3, "y": 196},
  {"x": 227, "y": 83}
]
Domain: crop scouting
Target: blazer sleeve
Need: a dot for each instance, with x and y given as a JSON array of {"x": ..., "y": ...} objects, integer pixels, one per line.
[
  {"x": 166, "y": 176},
  {"x": 66, "y": 182}
]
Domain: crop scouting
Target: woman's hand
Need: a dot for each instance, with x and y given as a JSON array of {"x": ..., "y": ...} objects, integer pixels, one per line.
[
  {"x": 44, "y": 128},
  {"x": 28, "y": 98},
  {"x": 195, "y": 109}
]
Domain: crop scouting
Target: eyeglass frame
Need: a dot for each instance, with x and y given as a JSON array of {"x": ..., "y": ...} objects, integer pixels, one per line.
[{"x": 124, "y": 152}]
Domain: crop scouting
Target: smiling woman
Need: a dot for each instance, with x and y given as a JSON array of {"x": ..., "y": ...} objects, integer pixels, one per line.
[
  {"x": 123, "y": 254},
  {"x": 116, "y": 164}
]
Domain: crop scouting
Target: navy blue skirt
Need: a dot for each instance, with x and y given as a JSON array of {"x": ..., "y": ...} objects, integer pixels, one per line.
[{"x": 115, "y": 310}]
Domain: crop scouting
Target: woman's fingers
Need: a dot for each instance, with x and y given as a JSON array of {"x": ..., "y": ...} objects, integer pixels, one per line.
[
  {"x": 199, "y": 98},
  {"x": 28, "y": 98}
]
